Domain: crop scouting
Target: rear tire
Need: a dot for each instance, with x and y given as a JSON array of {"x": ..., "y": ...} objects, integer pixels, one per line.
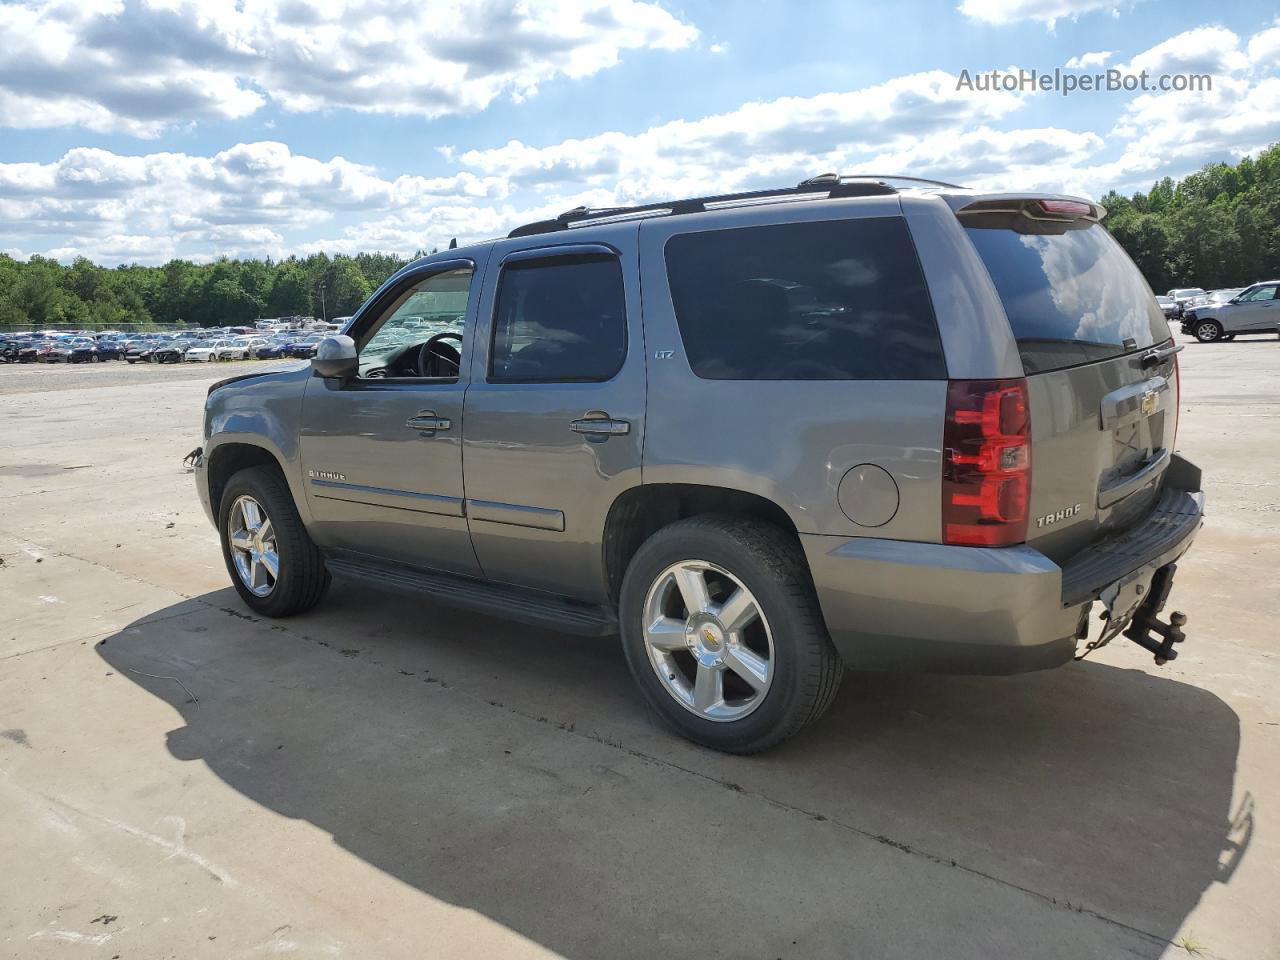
[
  {"x": 799, "y": 667},
  {"x": 301, "y": 578},
  {"x": 1208, "y": 331}
]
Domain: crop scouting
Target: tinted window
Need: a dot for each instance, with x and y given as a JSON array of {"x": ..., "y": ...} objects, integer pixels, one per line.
[
  {"x": 1072, "y": 294},
  {"x": 830, "y": 300},
  {"x": 1262, "y": 293},
  {"x": 559, "y": 319}
]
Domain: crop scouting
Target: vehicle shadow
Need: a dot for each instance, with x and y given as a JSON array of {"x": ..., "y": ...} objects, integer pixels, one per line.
[{"x": 405, "y": 730}]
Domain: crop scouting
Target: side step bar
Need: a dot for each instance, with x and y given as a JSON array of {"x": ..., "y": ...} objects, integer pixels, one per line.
[{"x": 495, "y": 599}]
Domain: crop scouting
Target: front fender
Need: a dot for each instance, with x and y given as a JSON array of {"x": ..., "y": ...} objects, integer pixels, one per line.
[{"x": 262, "y": 412}]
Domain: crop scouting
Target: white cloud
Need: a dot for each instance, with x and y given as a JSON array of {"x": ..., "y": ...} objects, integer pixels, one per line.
[
  {"x": 1086, "y": 61},
  {"x": 1212, "y": 50},
  {"x": 262, "y": 198},
  {"x": 242, "y": 201},
  {"x": 718, "y": 48},
  {"x": 1004, "y": 12},
  {"x": 758, "y": 144},
  {"x": 127, "y": 65},
  {"x": 1238, "y": 116}
]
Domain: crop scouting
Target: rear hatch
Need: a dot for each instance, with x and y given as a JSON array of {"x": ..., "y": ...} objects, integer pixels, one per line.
[{"x": 1100, "y": 365}]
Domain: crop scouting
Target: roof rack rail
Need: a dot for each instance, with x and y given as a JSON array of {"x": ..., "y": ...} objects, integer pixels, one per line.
[
  {"x": 829, "y": 184},
  {"x": 896, "y": 176}
]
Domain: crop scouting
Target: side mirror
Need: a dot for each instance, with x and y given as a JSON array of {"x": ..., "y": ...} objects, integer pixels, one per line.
[{"x": 335, "y": 358}]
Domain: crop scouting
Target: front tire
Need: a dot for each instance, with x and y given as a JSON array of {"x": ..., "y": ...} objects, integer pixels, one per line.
[
  {"x": 723, "y": 634},
  {"x": 1208, "y": 331},
  {"x": 273, "y": 564}
]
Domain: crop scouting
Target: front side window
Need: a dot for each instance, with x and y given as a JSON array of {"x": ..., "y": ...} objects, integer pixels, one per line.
[
  {"x": 559, "y": 320},
  {"x": 826, "y": 300},
  {"x": 419, "y": 333},
  {"x": 1262, "y": 293}
]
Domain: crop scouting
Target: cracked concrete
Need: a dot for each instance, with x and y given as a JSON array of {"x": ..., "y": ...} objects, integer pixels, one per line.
[{"x": 385, "y": 777}]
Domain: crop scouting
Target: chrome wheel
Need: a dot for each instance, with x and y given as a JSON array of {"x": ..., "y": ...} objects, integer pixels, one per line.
[
  {"x": 1207, "y": 332},
  {"x": 253, "y": 546},
  {"x": 708, "y": 640}
]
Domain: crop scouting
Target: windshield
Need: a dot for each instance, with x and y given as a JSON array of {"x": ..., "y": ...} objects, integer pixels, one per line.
[{"x": 1071, "y": 293}]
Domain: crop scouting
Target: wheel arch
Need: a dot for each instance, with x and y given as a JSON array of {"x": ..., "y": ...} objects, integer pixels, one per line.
[
  {"x": 230, "y": 457},
  {"x": 641, "y": 511}
]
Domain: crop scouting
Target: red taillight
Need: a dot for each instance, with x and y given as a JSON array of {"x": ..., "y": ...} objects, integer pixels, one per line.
[{"x": 986, "y": 467}]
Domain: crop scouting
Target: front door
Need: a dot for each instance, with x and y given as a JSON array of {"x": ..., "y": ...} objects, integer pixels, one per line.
[
  {"x": 555, "y": 410},
  {"x": 382, "y": 452},
  {"x": 1257, "y": 310}
]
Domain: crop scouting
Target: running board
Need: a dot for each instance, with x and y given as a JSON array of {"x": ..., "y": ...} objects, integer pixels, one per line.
[{"x": 495, "y": 599}]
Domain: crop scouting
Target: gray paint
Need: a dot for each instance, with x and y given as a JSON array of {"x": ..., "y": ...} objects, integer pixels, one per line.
[
  {"x": 513, "y": 493},
  {"x": 522, "y": 452},
  {"x": 788, "y": 441},
  {"x": 868, "y": 495},
  {"x": 920, "y": 605},
  {"x": 971, "y": 319}
]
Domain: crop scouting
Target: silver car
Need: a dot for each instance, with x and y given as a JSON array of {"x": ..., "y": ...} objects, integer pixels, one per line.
[
  {"x": 1255, "y": 309},
  {"x": 847, "y": 424}
]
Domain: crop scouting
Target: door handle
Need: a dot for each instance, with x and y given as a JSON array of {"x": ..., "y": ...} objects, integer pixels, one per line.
[
  {"x": 428, "y": 422},
  {"x": 601, "y": 427}
]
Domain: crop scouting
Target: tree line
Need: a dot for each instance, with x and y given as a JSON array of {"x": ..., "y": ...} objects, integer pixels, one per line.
[
  {"x": 1219, "y": 227},
  {"x": 226, "y": 292}
]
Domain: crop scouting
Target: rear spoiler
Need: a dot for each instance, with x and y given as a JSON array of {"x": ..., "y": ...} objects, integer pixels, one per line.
[{"x": 1053, "y": 209}]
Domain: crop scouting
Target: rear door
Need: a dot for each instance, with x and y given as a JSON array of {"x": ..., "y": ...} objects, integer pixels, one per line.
[
  {"x": 555, "y": 411},
  {"x": 1101, "y": 374}
]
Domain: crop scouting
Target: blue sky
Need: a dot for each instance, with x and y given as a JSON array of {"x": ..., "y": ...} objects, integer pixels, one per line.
[{"x": 139, "y": 130}]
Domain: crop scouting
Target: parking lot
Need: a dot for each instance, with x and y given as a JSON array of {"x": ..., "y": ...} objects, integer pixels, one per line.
[{"x": 388, "y": 777}]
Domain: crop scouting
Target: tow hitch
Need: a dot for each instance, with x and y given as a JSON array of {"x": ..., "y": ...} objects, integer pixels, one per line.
[
  {"x": 1145, "y": 620},
  {"x": 1141, "y": 618}
]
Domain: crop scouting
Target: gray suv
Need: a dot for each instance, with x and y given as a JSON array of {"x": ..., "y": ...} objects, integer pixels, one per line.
[
  {"x": 762, "y": 437},
  {"x": 1255, "y": 309}
]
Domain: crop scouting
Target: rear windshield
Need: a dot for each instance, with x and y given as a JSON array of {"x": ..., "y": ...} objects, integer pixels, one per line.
[
  {"x": 1072, "y": 294},
  {"x": 824, "y": 300}
]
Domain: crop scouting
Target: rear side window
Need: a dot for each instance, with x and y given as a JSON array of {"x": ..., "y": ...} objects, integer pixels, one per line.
[
  {"x": 559, "y": 319},
  {"x": 1072, "y": 294},
  {"x": 826, "y": 300}
]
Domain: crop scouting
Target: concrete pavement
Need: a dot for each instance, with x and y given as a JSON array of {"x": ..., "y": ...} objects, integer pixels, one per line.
[{"x": 386, "y": 777}]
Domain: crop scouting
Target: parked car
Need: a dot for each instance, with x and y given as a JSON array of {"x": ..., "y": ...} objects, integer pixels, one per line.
[
  {"x": 1184, "y": 295},
  {"x": 273, "y": 350},
  {"x": 210, "y": 350},
  {"x": 139, "y": 351},
  {"x": 173, "y": 351},
  {"x": 9, "y": 350},
  {"x": 109, "y": 350},
  {"x": 777, "y": 463},
  {"x": 67, "y": 350},
  {"x": 303, "y": 347},
  {"x": 1255, "y": 309},
  {"x": 30, "y": 352},
  {"x": 1169, "y": 307}
]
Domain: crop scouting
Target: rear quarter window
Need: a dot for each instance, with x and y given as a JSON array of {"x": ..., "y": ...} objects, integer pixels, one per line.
[{"x": 825, "y": 300}]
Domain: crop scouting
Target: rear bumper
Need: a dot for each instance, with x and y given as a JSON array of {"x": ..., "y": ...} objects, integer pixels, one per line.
[{"x": 897, "y": 605}]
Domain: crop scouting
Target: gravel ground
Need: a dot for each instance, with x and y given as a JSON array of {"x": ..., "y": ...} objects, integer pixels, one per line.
[{"x": 41, "y": 377}]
